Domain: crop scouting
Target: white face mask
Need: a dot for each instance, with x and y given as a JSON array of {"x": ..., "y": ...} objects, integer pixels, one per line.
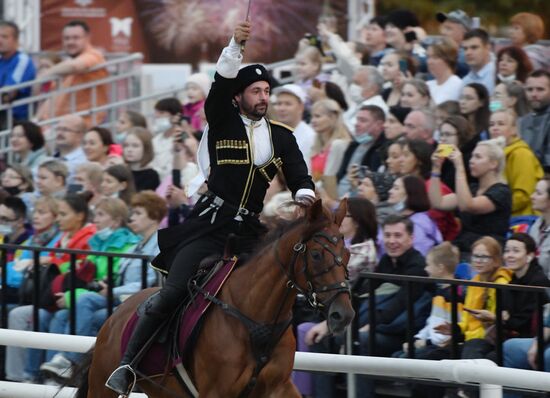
[
  {"x": 104, "y": 233},
  {"x": 356, "y": 93},
  {"x": 6, "y": 230},
  {"x": 506, "y": 79},
  {"x": 161, "y": 125}
]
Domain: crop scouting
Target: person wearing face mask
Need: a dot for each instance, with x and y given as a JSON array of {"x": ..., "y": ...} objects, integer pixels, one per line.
[
  {"x": 365, "y": 150},
  {"x": 147, "y": 211},
  {"x": 409, "y": 198},
  {"x": 125, "y": 122},
  {"x": 365, "y": 89},
  {"x": 13, "y": 228},
  {"x": 513, "y": 64},
  {"x": 113, "y": 236},
  {"x": 46, "y": 234},
  {"x": 167, "y": 113},
  {"x": 72, "y": 219},
  {"x": 16, "y": 180},
  {"x": 118, "y": 182}
]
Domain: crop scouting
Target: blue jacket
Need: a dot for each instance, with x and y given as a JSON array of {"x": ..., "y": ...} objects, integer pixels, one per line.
[{"x": 15, "y": 70}]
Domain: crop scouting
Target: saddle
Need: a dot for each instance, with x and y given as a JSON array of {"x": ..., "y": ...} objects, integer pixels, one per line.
[{"x": 176, "y": 334}]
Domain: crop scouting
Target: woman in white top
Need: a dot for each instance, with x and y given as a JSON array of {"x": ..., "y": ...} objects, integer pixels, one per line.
[{"x": 442, "y": 58}]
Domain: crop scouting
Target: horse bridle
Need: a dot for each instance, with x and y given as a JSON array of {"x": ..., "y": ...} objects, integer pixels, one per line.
[{"x": 309, "y": 291}]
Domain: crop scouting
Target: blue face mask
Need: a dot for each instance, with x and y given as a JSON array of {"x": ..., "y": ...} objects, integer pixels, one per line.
[
  {"x": 104, "y": 233},
  {"x": 495, "y": 106},
  {"x": 399, "y": 207},
  {"x": 363, "y": 138}
]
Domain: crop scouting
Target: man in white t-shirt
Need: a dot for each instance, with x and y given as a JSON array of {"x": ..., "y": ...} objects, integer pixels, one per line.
[{"x": 289, "y": 109}]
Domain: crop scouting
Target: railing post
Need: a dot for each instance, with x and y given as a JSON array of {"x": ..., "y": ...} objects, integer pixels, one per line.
[
  {"x": 490, "y": 391},
  {"x": 36, "y": 291},
  {"x": 144, "y": 274},
  {"x": 500, "y": 332},
  {"x": 72, "y": 295},
  {"x": 4, "y": 292},
  {"x": 540, "y": 331},
  {"x": 454, "y": 322},
  {"x": 410, "y": 320},
  {"x": 372, "y": 319},
  {"x": 110, "y": 299}
]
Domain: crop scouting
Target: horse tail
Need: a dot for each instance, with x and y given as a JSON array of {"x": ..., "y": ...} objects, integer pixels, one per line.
[{"x": 80, "y": 374}]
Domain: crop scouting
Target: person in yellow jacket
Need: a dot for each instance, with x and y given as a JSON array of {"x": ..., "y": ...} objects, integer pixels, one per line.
[
  {"x": 523, "y": 169},
  {"x": 480, "y": 302}
]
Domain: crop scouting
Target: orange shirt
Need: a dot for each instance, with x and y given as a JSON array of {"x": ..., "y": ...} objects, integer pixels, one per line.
[{"x": 89, "y": 58}]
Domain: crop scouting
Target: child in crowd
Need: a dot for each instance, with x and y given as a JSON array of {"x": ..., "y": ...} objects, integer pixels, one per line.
[{"x": 197, "y": 87}]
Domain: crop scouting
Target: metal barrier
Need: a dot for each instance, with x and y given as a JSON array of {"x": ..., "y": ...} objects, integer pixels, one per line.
[
  {"x": 407, "y": 281},
  {"x": 122, "y": 82},
  {"x": 72, "y": 278},
  {"x": 481, "y": 372}
]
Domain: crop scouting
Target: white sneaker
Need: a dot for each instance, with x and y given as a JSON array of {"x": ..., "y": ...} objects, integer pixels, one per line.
[{"x": 58, "y": 366}]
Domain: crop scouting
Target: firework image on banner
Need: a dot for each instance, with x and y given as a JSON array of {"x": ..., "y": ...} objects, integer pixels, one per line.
[{"x": 189, "y": 31}]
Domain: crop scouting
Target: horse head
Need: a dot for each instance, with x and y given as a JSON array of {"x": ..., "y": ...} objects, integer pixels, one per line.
[{"x": 322, "y": 273}]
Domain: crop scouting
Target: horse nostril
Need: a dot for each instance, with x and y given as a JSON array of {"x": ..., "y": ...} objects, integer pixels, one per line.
[{"x": 335, "y": 316}]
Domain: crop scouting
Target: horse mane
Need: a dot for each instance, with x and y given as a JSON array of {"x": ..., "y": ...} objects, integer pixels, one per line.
[{"x": 283, "y": 226}]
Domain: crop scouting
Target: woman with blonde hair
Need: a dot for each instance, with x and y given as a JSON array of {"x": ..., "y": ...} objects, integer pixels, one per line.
[
  {"x": 331, "y": 141},
  {"x": 523, "y": 169},
  {"x": 485, "y": 206},
  {"x": 415, "y": 94}
]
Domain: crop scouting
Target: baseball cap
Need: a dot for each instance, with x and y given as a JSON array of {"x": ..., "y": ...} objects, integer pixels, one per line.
[
  {"x": 293, "y": 89},
  {"x": 458, "y": 16}
]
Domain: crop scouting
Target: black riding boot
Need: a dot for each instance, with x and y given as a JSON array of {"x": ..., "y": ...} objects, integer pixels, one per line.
[{"x": 123, "y": 379}]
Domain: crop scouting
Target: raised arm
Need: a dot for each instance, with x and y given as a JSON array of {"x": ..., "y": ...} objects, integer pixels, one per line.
[
  {"x": 221, "y": 93},
  {"x": 466, "y": 201},
  {"x": 437, "y": 200}
]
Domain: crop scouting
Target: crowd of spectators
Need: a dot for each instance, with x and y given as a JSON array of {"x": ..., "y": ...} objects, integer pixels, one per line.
[{"x": 440, "y": 146}]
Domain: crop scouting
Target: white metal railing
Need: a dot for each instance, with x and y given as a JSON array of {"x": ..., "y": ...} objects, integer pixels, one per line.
[
  {"x": 483, "y": 372},
  {"x": 123, "y": 81}
]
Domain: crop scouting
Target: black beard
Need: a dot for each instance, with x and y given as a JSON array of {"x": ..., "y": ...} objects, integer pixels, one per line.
[{"x": 253, "y": 112}]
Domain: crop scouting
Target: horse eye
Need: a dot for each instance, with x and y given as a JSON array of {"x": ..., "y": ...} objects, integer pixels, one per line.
[{"x": 315, "y": 255}]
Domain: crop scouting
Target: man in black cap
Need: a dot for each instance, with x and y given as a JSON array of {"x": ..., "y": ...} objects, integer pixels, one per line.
[{"x": 240, "y": 153}]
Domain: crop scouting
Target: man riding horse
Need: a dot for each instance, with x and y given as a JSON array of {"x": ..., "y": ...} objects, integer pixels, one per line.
[{"x": 245, "y": 151}]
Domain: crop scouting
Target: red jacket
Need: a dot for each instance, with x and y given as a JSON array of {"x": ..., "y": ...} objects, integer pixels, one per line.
[
  {"x": 446, "y": 221},
  {"x": 79, "y": 241}
]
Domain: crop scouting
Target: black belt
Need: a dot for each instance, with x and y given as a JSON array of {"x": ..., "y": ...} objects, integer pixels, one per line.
[{"x": 218, "y": 202}]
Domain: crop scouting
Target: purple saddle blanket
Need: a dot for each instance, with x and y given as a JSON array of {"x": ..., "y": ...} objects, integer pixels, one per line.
[{"x": 155, "y": 359}]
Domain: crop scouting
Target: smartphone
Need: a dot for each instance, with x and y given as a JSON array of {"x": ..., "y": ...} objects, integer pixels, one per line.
[
  {"x": 444, "y": 150},
  {"x": 403, "y": 66},
  {"x": 75, "y": 188},
  {"x": 363, "y": 171},
  {"x": 470, "y": 310},
  {"x": 410, "y": 36}
]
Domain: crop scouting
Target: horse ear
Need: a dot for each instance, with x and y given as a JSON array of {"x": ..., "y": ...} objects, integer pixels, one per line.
[
  {"x": 341, "y": 212},
  {"x": 315, "y": 210}
]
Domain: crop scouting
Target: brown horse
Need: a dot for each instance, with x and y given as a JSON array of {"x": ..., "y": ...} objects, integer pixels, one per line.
[{"x": 309, "y": 256}]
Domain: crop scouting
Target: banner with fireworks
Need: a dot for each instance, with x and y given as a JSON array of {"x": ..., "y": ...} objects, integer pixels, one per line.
[{"x": 189, "y": 31}]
